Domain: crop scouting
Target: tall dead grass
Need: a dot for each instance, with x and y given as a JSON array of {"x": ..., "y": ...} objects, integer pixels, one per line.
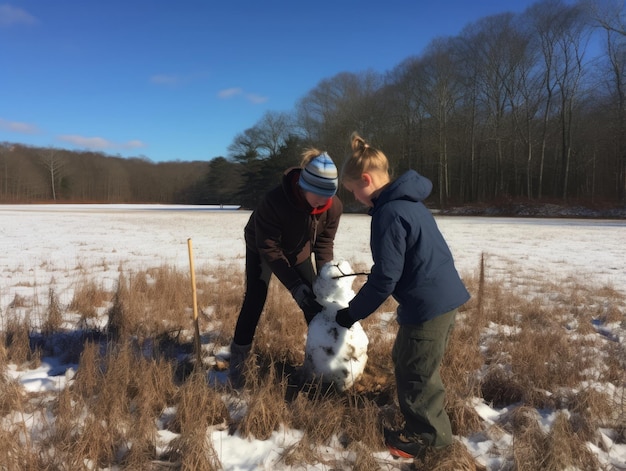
[
  {"x": 511, "y": 350},
  {"x": 199, "y": 408},
  {"x": 89, "y": 296}
]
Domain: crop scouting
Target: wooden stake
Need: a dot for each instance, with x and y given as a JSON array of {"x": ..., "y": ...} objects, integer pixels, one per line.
[{"x": 194, "y": 297}]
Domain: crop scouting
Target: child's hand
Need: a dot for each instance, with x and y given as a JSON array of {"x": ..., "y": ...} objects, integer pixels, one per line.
[
  {"x": 304, "y": 296},
  {"x": 343, "y": 318},
  {"x": 311, "y": 309}
]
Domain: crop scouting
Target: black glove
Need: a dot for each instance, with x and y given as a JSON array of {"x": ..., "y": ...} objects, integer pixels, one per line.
[
  {"x": 343, "y": 318},
  {"x": 304, "y": 296}
]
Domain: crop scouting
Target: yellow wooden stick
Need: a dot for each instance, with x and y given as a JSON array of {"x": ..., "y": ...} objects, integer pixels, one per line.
[{"x": 194, "y": 298}]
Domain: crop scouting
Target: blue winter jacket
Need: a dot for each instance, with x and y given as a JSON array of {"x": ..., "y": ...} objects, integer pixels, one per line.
[{"x": 412, "y": 261}]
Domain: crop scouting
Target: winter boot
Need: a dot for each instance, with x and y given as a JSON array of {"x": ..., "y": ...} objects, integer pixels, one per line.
[
  {"x": 238, "y": 356},
  {"x": 405, "y": 445}
]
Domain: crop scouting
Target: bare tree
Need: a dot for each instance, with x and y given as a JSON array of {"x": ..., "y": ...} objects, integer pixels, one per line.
[
  {"x": 440, "y": 94},
  {"x": 245, "y": 146},
  {"x": 469, "y": 75},
  {"x": 492, "y": 43},
  {"x": 571, "y": 51},
  {"x": 272, "y": 131},
  {"x": 611, "y": 18},
  {"x": 610, "y": 15},
  {"x": 5, "y": 149},
  {"x": 54, "y": 164},
  {"x": 560, "y": 30},
  {"x": 404, "y": 95},
  {"x": 525, "y": 93},
  {"x": 265, "y": 139},
  {"x": 340, "y": 105}
]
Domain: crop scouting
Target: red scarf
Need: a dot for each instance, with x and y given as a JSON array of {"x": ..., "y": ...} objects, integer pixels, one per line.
[{"x": 321, "y": 209}]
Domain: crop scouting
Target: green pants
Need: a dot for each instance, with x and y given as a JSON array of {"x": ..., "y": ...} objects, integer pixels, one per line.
[{"x": 417, "y": 354}]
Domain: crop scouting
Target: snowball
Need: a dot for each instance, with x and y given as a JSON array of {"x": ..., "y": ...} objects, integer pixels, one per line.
[{"x": 334, "y": 354}]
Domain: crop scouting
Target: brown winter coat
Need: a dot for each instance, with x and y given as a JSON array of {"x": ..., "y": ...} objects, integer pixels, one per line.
[{"x": 284, "y": 227}]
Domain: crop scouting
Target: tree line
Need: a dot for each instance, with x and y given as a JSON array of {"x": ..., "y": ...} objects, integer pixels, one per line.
[
  {"x": 529, "y": 105},
  {"x": 31, "y": 174}
]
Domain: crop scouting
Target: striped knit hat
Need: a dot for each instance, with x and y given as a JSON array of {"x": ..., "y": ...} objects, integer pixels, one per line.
[{"x": 319, "y": 176}]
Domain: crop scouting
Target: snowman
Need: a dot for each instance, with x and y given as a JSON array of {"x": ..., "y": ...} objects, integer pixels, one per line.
[{"x": 333, "y": 354}]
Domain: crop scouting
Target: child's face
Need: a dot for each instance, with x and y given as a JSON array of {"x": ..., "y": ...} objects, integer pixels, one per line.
[
  {"x": 362, "y": 190},
  {"x": 316, "y": 201}
]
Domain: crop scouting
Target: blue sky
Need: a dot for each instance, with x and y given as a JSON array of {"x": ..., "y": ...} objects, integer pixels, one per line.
[{"x": 178, "y": 80}]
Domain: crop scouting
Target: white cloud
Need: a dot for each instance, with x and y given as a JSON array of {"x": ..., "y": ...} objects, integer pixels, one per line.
[
  {"x": 16, "y": 126},
  {"x": 99, "y": 143},
  {"x": 229, "y": 92},
  {"x": 88, "y": 142},
  {"x": 254, "y": 98},
  {"x": 10, "y": 15},
  {"x": 134, "y": 144}
]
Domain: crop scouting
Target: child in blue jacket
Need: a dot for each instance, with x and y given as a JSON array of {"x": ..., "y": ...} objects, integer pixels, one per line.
[{"x": 412, "y": 263}]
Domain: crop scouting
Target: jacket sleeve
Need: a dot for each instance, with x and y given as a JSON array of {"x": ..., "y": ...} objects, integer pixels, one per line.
[
  {"x": 388, "y": 243},
  {"x": 268, "y": 230},
  {"x": 325, "y": 240}
]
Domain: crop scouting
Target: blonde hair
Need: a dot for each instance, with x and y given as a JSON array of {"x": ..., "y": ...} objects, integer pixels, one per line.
[
  {"x": 364, "y": 159},
  {"x": 309, "y": 154}
]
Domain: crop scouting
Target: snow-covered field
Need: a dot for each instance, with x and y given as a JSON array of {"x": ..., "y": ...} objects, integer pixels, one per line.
[{"x": 54, "y": 246}]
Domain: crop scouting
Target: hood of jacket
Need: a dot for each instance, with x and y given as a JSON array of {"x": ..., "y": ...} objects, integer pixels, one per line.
[{"x": 410, "y": 186}]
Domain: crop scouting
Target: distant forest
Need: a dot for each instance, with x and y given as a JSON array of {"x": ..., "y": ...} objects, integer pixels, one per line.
[{"x": 517, "y": 106}]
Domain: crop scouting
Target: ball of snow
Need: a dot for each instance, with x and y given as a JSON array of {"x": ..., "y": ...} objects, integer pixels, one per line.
[
  {"x": 333, "y": 285},
  {"x": 334, "y": 354}
]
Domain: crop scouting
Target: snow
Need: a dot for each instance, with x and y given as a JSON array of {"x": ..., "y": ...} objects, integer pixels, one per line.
[{"x": 53, "y": 246}]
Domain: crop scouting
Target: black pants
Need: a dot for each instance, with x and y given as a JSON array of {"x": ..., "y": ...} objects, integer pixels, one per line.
[{"x": 258, "y": 274}]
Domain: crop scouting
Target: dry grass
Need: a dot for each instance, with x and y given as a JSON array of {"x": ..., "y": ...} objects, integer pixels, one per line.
[
  {"x": 150, "y": 303},
  {"x": 53, "y": 319},
  {"x": 12, "y": 396},
  {"x": 526, "y": 352},
  {"x": 199, "y": 407},
  {"x": 266, "y": 408},
  {"x": 16, "y": 340},
  {"x": 88, "y": 298},
  {"x": 220, "y": 301}
]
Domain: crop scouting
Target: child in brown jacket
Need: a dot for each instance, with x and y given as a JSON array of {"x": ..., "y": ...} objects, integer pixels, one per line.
[{"x": 295, "y": 219}]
